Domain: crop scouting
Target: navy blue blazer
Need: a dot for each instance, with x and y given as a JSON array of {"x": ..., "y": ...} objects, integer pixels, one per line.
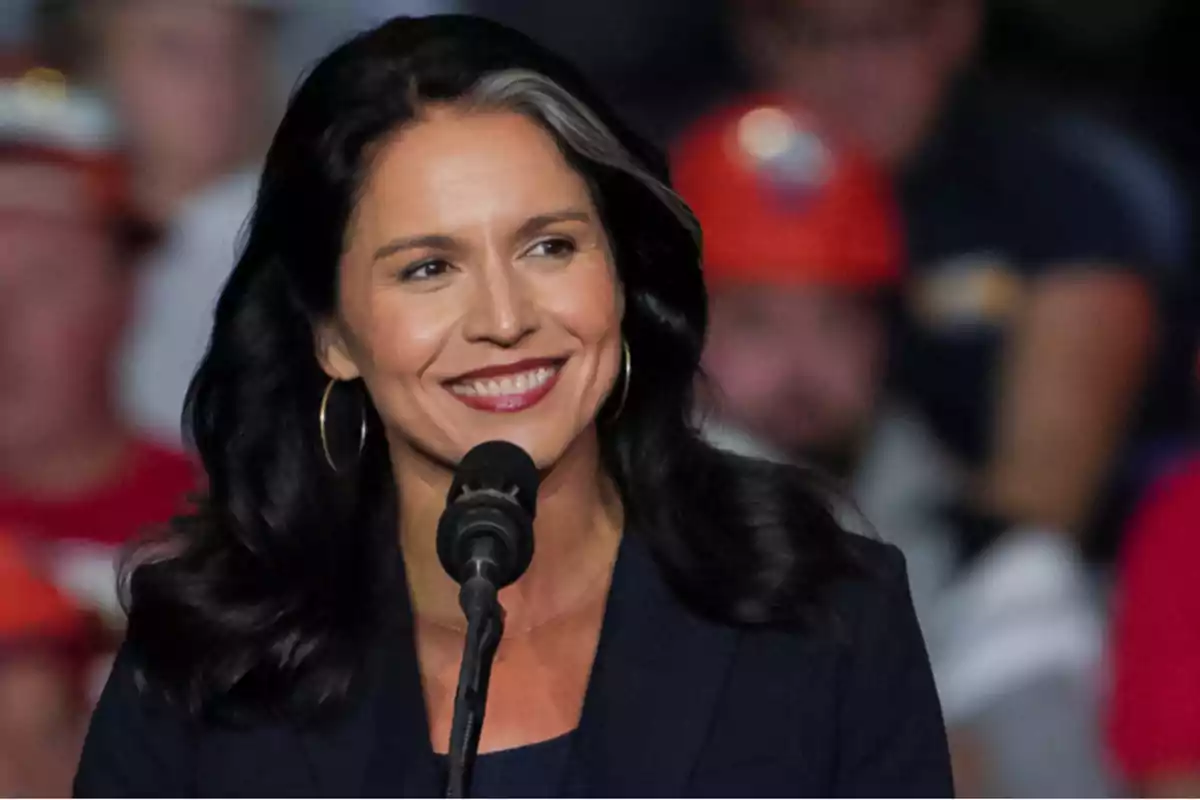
[{"x": 676, "y": 706}]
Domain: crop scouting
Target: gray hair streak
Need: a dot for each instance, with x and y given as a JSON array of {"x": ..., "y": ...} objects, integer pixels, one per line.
[{"x": 577, "y": 125}]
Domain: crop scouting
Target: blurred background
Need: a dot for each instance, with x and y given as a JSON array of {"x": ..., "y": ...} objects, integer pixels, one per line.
[{"x": 950, "y": 246}]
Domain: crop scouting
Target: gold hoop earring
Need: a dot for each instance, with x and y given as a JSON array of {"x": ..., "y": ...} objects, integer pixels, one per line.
[
  {"x": 626, "y": 378},
  {"x": 362, "y": 430}
]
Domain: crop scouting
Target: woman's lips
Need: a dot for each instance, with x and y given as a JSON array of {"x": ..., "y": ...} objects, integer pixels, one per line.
[{"x": 507, "y": 389}]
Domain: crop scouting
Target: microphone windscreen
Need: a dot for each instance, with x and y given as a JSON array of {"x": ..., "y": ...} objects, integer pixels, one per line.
[{"x": 502, "y": 466}]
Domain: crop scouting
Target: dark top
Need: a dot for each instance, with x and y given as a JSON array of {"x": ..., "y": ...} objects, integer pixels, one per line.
[
  {"x": 535, "y": 770},
  {"x": 1003, "y": 193},
  {"x": 676, "y": 706}
]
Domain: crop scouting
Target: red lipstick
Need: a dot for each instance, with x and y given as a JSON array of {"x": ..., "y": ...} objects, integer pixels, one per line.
[{"x": 507, "y": 388}]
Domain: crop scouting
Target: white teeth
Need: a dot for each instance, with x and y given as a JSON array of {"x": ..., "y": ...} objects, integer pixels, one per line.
[{"x": 510, "y": 384}]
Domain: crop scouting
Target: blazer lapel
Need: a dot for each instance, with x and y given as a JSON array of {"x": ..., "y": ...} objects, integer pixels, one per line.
[
  {"x": 382, "y": 747},
  {"x": 403, "y": 763},
  {"x": 653, "y": 690}
]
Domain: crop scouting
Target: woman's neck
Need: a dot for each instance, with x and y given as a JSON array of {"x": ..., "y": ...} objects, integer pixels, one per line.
[{"x": 576, "y": 534}]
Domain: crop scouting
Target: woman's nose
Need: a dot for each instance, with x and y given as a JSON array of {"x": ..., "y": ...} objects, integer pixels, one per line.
[{"x": 502, "y": 311}]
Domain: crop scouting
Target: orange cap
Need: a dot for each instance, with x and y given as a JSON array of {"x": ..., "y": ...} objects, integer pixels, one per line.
[
  {"x": 779, "y": 203},
  {"x": 32, "y": 608}
]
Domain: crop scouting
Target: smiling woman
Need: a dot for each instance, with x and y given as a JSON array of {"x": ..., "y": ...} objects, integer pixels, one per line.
[
  {"x": 455, "y": 242},
  {"x": 494, "y": 284}
]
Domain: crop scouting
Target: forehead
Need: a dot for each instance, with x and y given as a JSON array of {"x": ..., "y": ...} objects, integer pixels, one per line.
[
  {"x": 196, "y": 17},
  {"x": 452, "y": 168}
]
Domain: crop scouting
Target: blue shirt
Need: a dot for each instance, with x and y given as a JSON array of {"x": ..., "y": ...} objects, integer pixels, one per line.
[{"x": 1004, "y": 193}]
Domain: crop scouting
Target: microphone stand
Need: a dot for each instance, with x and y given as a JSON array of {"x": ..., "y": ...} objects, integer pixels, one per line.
[{"x": 485, "y": 626}]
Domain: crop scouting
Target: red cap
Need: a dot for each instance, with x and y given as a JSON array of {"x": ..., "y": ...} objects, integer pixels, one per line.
[
  {"x": 56, "y": 132},
  {"x": 780, "y": 203}
]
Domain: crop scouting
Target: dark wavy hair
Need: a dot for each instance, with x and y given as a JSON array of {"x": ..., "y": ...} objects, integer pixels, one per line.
[{"x": 267, "y": 598}]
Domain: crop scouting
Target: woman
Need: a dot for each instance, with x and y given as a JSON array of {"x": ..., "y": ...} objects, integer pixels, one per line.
[
  {"x": 455, "y": 242},
  {"x": 77, "y": 478}
]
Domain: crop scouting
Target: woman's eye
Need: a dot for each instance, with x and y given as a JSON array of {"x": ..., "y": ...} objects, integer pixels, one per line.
[
  {"x": 425, "y": 270},
  {"x": 552, "y": 248}
]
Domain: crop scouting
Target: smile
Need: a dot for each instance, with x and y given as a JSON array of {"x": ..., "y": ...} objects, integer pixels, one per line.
[{"x": 510, "y": 388}]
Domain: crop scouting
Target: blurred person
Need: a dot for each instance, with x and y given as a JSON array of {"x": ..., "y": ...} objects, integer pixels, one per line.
[
  {"x": 877, "y": 70},
  {"x": 74, "y": 476},
  {"x": 804, "y": 260},
  {"x": 47, "y": 645},
  {"x": 803, "y": 252},
  {"x": 1028, "y": 330},
  {"x": 1154, "y": 719},
  {"x": 191, "y": 84},
  {"x": 1021, "y": 240}
]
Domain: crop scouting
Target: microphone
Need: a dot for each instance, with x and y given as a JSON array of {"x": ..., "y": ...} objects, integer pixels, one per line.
[
  {"x": 485, "y": 542},
  {"x": 486, "y": 531}
]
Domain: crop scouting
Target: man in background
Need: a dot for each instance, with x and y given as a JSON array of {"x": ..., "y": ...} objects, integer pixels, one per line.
[
  {"x": 804, "y": 264},
  {"x": 1028, "y": 331},
  {"x": 1025, "y": 229},
  {"x": 190, "y": 83},
  {"x": 803, "y": 260},
  {"x": 76, "y": 480},
  {"x": 803, "y": 256}
]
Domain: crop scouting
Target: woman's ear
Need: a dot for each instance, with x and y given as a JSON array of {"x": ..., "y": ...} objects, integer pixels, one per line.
[{"x": 332, "y": 352}]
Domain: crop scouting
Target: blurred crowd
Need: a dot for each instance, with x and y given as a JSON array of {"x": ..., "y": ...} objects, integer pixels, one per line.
[{"x": 949, "y": 248}]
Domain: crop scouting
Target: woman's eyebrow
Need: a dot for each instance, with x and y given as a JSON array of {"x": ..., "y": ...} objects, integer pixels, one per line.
[
  {"x": 429, "y": 241},
  {"x": 537, "y": 223}
]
